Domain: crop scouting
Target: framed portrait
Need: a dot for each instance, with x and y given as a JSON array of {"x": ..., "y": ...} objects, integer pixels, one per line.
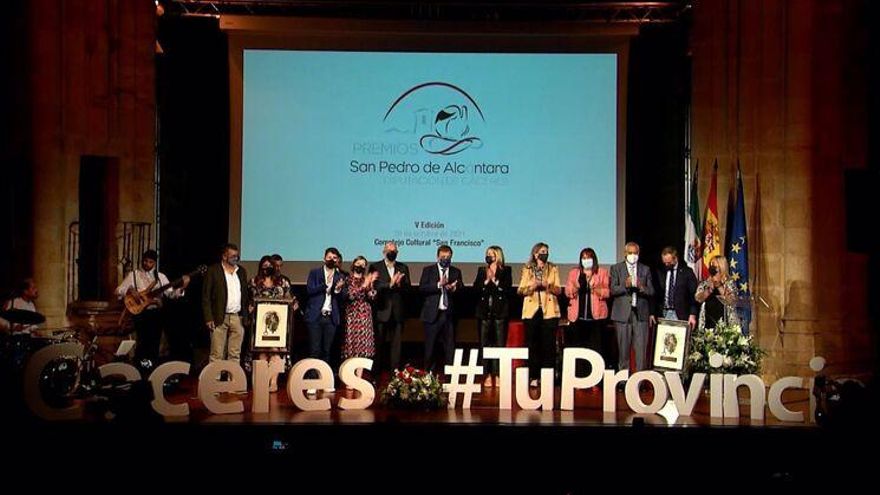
[
  {"x": 671, "y": 343},
  {"x": 271, "y": 324}
]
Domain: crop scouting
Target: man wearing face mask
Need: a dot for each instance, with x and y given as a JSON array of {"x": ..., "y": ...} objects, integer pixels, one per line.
[
  {"x": 324, "y": 288},
  {"x": 438, "y": 283},
  {"x": 632, "y": 289},
  {"x": 675, "y": 288},
  {"x": 225, "y": 302},
  {"x": 392, "y": 280}
]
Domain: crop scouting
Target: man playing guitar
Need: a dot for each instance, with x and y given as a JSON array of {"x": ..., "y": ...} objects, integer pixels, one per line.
[{"x": 137, "y": 289}]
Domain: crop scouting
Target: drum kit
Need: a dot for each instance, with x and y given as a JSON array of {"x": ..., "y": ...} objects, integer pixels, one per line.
[
  {"x": 24, "y": 339},
  {"x": 64, "y": 379}
]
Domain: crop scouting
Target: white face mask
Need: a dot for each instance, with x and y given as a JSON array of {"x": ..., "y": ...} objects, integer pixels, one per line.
[
  {"x": 587, "y": 263},
  {"x": 632, "y": 259}
]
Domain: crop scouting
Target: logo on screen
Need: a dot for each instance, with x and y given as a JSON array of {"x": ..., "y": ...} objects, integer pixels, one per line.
[{"x": 443, "y": 116}]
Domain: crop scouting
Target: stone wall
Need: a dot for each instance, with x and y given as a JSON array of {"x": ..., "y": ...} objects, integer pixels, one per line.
[
  {"x": 780, "y": 86},
  {"x": 92, "y": 85}
]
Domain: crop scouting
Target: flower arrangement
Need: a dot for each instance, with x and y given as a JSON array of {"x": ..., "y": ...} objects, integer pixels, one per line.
[
  {"x": 412, "y": 388},
  {"x": 741, "y": 355}
]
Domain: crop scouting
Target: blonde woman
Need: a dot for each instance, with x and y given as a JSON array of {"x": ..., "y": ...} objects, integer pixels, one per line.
[
  {"x": 717, "y": 295},
  {"x": 539, "y": 285},
  {"x": 493, "y": 283}
]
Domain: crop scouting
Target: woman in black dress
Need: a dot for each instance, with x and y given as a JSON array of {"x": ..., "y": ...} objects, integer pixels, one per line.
[
  {"x": 493, "y": 283},
  {"x": 717, "y": 295}
]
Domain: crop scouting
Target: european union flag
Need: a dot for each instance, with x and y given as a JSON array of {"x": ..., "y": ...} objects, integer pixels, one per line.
[{"x": 738, "y": 249}]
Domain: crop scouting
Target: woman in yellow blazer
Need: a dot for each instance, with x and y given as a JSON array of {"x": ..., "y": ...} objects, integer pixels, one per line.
[{"x": 539, "y": 284}]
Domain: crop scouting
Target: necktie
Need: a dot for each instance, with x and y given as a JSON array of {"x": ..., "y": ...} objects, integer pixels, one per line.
[
  {"x": 443, "y": 298},
  {"x": 635, "y": 281}
]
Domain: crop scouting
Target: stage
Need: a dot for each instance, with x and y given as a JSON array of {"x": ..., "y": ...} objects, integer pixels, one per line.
[
  {"x": 152, "y": 137},
  {"x": 458, "y": 450},
  {"x": 484, "y": 411}
]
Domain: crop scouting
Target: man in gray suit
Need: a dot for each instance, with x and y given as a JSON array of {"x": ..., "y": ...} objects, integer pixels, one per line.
[{"x": 632, "y": 289}]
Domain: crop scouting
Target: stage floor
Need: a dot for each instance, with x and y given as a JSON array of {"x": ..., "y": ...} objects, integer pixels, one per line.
[
  {"x": 456, "y": 451},
  {"x": 588, "y": 411},
  {"x": 484, "y": 410}
]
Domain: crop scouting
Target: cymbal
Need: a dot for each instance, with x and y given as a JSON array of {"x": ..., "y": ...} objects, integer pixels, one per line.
[{"x": 22, "y": 317}]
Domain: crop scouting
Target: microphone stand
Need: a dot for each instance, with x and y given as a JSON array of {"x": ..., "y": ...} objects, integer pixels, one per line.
[{"x": 780, "y": 323}]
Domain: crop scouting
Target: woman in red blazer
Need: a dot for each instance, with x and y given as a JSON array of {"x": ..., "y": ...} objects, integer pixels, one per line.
[{"x": 587, "y": 288}]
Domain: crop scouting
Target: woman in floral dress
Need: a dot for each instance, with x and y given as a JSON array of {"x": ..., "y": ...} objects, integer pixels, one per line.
[{"x": 359, "y": 293}]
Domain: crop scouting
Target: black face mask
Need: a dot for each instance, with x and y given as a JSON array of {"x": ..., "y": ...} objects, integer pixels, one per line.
[
  {"x": 268, "y": 271},
  {"x": 713, "y": 271},
  {"x": 391, "y": 255},
  {"x": 543, "y": 257},
  {"x": 358, "y": 269},
  {"x": 445, "y": 262},
  {"x": 489, "y": 260},
  {"x": 330, "y": 263}
]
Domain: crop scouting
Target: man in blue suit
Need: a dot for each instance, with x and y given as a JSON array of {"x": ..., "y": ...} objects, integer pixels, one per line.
[
  {"x": 324, "y": 313},
  {"x": 674, "y": 288},
  {"x": 439, "y": 281}
]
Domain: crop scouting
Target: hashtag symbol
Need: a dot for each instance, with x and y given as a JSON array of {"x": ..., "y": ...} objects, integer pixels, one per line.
[{"x": 470, "y": 372}]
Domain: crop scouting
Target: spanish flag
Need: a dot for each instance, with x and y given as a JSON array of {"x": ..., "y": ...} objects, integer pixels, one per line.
[
  {"x": 711, "y": 230},
  {"x": 693, "y": 236}
]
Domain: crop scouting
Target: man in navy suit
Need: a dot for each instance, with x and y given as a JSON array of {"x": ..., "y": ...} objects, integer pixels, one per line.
[
  {"x": 323, "y": 313},
  {"x": 632, "y": 289},
  {"x": 676, "y": 285},
  {"x": 438, "y": 283}
]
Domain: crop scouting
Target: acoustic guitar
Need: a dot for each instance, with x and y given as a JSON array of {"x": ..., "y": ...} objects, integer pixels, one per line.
[{"x": 137, "y": 301}]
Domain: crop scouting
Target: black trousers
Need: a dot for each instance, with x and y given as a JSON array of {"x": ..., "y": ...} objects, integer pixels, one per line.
[
  {"x": 441, "y": 332},
  {"x": 493, "y": 333},
  {"x": 585, "y": 333},
  {"x": 148, "y": 330},
  {"x": 388, "y": 352},
  {"x": 541, "y": 339}
]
